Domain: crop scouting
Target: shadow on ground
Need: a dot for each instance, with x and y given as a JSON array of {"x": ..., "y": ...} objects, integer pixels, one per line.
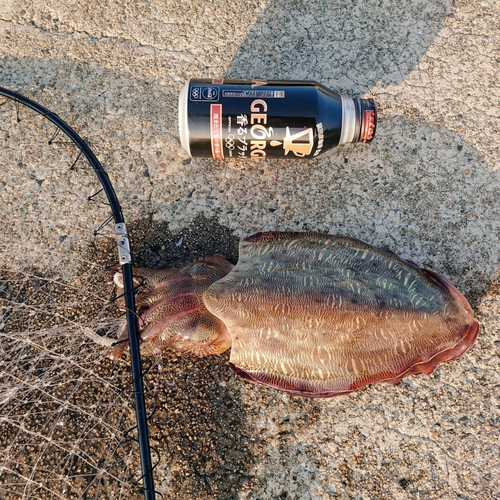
[{"x": 201, "y": 425}]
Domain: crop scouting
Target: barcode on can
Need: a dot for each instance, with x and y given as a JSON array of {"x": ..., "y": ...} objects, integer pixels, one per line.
[{"x": 255, "y": 94}]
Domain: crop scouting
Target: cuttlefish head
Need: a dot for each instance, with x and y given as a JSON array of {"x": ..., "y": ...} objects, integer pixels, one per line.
[{"x": 172, "y": 314}]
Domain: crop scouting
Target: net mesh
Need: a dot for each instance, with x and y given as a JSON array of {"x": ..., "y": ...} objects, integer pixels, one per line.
[{"x": 67, "y": 420}]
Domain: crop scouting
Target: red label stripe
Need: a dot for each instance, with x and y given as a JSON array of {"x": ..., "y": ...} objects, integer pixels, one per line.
[{"x": 216, "y": 130}]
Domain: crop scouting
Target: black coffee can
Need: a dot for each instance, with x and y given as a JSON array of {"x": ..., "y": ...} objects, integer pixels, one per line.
[{"x": 249, "y": 119}]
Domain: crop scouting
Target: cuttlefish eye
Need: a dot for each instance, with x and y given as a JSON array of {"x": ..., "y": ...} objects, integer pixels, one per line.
[{"x": 309, "y": 313}]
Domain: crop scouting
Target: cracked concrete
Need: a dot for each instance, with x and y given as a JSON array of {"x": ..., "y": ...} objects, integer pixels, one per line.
[{"x": 427, "y": 188}]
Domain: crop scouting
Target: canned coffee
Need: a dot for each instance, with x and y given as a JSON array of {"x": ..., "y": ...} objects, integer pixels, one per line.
[{"x": 274, "y": 119}]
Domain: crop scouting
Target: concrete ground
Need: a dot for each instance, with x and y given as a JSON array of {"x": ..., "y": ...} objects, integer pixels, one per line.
[{"x": 427, "y": 187}]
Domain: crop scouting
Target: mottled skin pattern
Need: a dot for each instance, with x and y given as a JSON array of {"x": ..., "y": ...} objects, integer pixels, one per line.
[{"x": 307, "y": 313}]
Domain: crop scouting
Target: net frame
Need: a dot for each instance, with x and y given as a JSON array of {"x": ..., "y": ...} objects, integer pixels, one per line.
[{"x": 125, "y": 262}]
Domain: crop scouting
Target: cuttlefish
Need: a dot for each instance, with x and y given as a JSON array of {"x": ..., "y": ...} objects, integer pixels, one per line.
[{"x": 308, "y": 313}]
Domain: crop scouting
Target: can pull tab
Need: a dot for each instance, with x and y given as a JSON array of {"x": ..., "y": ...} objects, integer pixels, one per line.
[{"x": 124, "y": 253}]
